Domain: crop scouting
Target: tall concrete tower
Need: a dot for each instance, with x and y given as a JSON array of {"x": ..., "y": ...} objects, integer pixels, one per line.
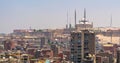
[{"x": 82, "y": 44}]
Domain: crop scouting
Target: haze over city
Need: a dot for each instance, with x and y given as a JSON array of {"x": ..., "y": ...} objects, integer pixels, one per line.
[
  {"x": 59, "y": 31},
  {"x": 43, "y": 14}
]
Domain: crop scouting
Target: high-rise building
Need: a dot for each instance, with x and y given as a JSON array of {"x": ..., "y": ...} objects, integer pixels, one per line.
[
  {"x": 54, "y": 48},
  {"x": 82, "y": 45},
  {"x": 118, "y": 55},
  {"x": 104, "y": 57},
  {"x": 42, "y": 43},
  {"x": 7, "y": 45}
]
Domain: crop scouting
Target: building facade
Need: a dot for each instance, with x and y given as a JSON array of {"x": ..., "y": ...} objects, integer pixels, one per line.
[
  {"x": 82, "y": 45},
  {"x": 118, "y": 55}
]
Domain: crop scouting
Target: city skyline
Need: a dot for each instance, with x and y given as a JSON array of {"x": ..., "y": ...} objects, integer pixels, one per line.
[{"x": 53, "y": 14}]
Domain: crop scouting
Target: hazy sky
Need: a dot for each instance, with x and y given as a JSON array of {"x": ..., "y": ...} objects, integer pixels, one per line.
[{"x": 39, "y": 14}]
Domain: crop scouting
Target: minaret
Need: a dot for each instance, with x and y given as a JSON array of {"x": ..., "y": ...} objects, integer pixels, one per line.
[
  {"x": 84, "y": 15},
  {"x": 67, "y": 21},
  {"x": 111, "y": 21},
  {"x": 84, "y": 18},
  {"x": 75, "y": 18},
  {"x": 111, "y": 29}
]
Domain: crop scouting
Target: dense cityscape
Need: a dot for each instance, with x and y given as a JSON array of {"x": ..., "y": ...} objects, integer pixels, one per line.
[{"x": 78, "y": 43}]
